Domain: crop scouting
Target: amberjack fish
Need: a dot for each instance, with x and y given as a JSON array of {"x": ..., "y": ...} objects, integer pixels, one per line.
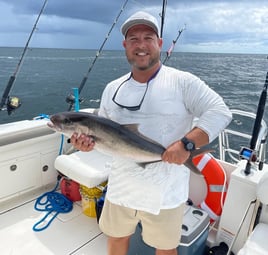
[{"x": 114, "y": 139}]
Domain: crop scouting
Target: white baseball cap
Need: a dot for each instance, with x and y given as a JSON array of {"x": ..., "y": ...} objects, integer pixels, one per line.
[{"x": 140, "y": 18}]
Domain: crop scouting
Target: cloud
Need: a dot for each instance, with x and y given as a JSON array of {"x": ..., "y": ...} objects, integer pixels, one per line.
[
  {"x": 224, "y": 25},
  {"x": 221, "y": 26}
]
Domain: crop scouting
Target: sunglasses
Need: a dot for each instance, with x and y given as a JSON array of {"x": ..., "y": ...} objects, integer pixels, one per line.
[{"x": 138, "y": 106}]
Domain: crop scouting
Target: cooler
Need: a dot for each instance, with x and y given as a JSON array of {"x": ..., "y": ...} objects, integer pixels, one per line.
[{"x": 193, "y": 239}]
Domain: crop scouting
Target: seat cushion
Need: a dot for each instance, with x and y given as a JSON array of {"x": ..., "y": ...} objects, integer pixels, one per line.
[
  {"x": 256, "y": 243},
  {"x": 87, "y": 168}
]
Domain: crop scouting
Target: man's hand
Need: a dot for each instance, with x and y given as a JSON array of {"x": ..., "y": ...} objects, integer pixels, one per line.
[
  {"x": 175, "y": 153},
  {"x": 82, "y": 142}
]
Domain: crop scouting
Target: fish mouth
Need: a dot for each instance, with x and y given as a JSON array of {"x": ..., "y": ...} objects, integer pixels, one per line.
[
  {"x": 50, "y": 124},
  {"x": 53, "y": 126}
]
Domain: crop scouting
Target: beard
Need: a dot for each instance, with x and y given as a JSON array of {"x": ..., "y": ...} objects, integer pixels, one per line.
[{"x": 143, "y": 65}]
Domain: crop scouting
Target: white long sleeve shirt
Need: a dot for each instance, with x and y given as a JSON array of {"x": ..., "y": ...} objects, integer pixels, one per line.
[{"x": 172, "y": 101}]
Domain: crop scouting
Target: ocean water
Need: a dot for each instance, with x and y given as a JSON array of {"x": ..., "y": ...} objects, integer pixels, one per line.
[{"x": 48, "y": 76}]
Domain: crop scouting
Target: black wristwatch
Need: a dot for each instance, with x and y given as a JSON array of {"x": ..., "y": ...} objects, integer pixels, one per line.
[{"x": 189, "y": 145}]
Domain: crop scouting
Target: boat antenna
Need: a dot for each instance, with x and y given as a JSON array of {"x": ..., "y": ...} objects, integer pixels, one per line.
[
  {"x": 162, "y": 15},
  {"x": 70, "y": 99},
  {"x": 170, "y": 50},
  {"x": 12, "y": 103},
  {"x": 257, "y": 124}
]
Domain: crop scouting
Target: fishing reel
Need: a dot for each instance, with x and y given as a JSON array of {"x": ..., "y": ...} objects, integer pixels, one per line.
[
  {"x": 12, "y": 104},
  {"x": 70, "y": 99},
  {"x": 251, "y": 157},
  {"x": 248, "y": 154}
]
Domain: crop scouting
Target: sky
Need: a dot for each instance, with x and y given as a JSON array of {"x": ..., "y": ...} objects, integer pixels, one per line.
[{"x": 224, "y": 26}]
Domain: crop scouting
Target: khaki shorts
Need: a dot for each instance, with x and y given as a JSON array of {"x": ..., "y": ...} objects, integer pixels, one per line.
[{"x": 162, "y": 231}]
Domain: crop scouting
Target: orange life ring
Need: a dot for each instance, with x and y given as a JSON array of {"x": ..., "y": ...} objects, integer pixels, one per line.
[{"x": 215, "y": 179}]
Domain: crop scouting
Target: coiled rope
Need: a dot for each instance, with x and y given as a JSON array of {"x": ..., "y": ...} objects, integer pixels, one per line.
[{"x": 51, "y": 202}]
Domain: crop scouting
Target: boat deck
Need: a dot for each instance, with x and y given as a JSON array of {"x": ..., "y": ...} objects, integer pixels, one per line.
[{"x": 70, "y": 233}]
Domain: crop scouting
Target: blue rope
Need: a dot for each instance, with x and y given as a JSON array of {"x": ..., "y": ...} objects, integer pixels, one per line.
[
  {"x": 50, "y": 202},
  {"x": 41, "y": 116}
]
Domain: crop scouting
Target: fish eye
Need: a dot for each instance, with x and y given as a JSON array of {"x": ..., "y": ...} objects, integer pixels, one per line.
[{"x": 67, "y": 121}]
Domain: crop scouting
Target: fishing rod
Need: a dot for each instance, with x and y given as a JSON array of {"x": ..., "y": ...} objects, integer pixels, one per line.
[
  {"x": 163, "y": 15},
  {"x": 170, "y": 50},
  {"x": 12, "y": 103},
  {"x": 70, "y": 99},
  {"x": 249, "y": 153}
]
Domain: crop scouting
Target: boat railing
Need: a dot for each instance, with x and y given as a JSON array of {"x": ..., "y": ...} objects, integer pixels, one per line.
[{"x": 232, "y": 137}]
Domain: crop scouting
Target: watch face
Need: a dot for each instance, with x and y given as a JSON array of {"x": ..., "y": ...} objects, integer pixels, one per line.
[{"x": 190, "y": 146}]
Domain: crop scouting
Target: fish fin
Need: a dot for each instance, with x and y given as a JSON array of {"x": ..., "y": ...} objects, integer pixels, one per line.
[
  {"x": 200, "y": 151},
  {"x": 134, "y": 128},
  {"x": 189, "y": 163},
  {"x": 144, "y": 164}
]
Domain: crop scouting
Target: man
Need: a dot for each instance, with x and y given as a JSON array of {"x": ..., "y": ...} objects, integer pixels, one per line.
[{"x": 163, "y": 101}]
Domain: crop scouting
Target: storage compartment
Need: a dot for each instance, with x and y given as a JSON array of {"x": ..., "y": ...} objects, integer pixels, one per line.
[
  {"x": 28, "y": 150},
  {"x": 21, "y": 174},
  {"x": 48, "y": 171},
  {"x": 193, "y": 239},
  {"x": 241, "y": 191}
]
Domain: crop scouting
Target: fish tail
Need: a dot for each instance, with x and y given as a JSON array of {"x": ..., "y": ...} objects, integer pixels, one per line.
[{"x": 189, "y": 162}]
